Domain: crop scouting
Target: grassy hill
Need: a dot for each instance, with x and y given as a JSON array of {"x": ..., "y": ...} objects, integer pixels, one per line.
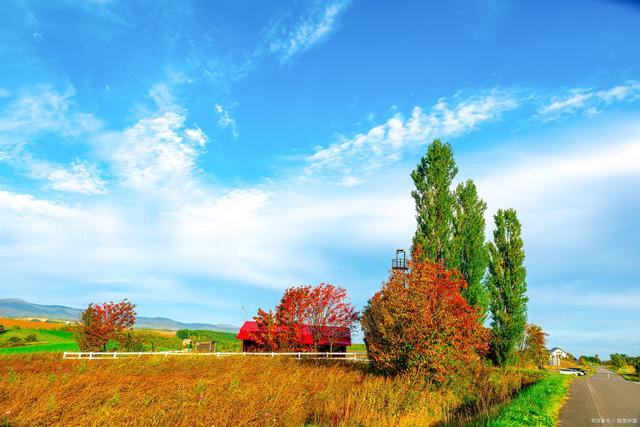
[
  {"x": 13, "y": 307},
  {"x": 45, "y": 341}
]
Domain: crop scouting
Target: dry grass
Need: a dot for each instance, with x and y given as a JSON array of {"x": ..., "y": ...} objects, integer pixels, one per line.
[{"x": 46, "y": 390}]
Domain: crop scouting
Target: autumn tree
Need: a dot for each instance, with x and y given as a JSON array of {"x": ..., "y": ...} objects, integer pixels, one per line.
[
  {"x": 468, "y": 249},
  {"x": 507, "y": 287},
  {"x": 291, "y": 315},
  {"x": 535, "y": 346},
  {"x": 330, "y": 314},
  {"x": 419, "y": 321},
  {"x": 323, "y": 310},
  {"x": 434, "y": 201},
  {"x": 100, "y": 323},
  {"x": 267, "y": 337}
]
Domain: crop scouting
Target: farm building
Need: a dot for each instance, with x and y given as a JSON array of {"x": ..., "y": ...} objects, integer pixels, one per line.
[
  {"x": 341, "y": 338},
  {"x": 555, "y": 354}
]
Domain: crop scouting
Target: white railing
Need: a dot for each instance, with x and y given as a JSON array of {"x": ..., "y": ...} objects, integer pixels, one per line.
[{"x": 355, "y": 356}]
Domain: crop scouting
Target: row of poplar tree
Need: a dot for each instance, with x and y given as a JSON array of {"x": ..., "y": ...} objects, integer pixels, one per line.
[{"x": 451, "y": 230}]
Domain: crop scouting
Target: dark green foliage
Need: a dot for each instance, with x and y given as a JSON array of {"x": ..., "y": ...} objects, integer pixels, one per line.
[
  {"x": 434, "y": 201},
  {"x": 468, "y": 250},
  {"x": 2, "y": 329},
  {"x": 507, "y": 287},
  {"x": 31, "y": 338},
  {"x": 591, "y": 359}
]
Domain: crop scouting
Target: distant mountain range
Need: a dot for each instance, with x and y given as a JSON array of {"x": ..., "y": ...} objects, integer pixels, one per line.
[{"x": 13, "y": 307}]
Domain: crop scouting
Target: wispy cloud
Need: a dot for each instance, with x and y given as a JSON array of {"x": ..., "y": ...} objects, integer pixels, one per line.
[
  {"x": 588, "y": 101},
  {"x": 226, "y": 121},
  {"x": 287, "y": 40},
  {"x": 43, "y": 108},
  {"x": 384, "y": 144},
  {"x": 156, "y": 155},
  {"x": 80, "y": 177}
]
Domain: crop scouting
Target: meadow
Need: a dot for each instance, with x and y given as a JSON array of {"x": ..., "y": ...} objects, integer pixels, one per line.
[
  {"x": 58, "y": 337},
  {"x": 43, "y": 389},
  {"x": 38, "y": 387}
]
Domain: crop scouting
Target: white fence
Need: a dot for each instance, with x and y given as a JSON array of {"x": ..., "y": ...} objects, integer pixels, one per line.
[{"x": 354, "y": 356}]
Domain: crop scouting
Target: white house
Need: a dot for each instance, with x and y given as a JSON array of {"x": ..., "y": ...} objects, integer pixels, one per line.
[{"x": 555, "y": 354}]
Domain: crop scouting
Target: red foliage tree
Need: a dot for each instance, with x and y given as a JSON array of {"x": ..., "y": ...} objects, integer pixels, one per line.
[
  {"x": 329, "y": 313},
  {"x": 291, "y": 315},
  {"x": 322, "y": 310},
  {"x": 420, "y": 321},
  {"x": 267, "y": 336},
  {"x": 100, "y": 323}
]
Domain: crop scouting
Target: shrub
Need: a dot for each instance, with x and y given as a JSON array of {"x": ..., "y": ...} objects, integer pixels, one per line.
[
  {"x": 617, "y": 360},
  {"x": 2, "y": 329},
  {"x": 31, "y": 338},
  {"x": 14, "y": 342},
  {"x": 419, "y": 321},
  {"x": 130, "y": 341}
]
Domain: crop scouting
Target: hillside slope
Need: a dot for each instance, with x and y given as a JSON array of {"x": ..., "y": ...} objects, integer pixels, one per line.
[{"x": 13, "y": 307}]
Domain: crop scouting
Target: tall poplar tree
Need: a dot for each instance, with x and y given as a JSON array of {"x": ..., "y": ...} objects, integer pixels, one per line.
[
  {"x": 434, "y": 201},
  {"x": 469, "y": 252},
  {"x": 507, "y": 287}
]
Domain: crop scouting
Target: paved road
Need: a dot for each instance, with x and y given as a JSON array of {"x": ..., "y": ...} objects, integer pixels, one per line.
[{"x": 602, "y": 399}]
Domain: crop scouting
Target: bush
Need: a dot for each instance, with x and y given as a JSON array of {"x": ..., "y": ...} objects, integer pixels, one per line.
[
  {"x": 31, "y": 338},
  {"x": 2, "y": 329},
  {"x": 14, "y": 342},
  {"x": 420, "y": 322},
  {"x": 617, "y": 360},
  {"x": 131, "y": 341}
]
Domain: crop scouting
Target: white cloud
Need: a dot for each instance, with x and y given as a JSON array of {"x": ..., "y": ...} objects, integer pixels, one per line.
[
  {"x": 226, "y": 121},
  {"x": 44, "y": 109},
  {"x": 384, "y": 144},
  {"x": 156, "y": 154},
  {"x": 26, "y": 206},
  {"x": 312, "y": 29},
  {"x": 80, "y": 177},
  {"x": 588, "y": 100}
]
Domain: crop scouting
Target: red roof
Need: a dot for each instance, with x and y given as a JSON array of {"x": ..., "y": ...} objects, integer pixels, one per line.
[{"x": 342, "y": 335}]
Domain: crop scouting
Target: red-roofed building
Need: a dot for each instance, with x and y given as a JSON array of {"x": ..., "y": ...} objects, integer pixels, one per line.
[{"x": 341, "y": 338}]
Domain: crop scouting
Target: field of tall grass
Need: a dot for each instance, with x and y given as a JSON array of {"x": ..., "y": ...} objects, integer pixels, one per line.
[{"x": 43, "y": 389}]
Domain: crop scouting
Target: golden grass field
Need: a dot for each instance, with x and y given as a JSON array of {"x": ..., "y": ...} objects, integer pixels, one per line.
[
  {"x": 29, "y": 324},
  {"x": 44, "y": 390}
]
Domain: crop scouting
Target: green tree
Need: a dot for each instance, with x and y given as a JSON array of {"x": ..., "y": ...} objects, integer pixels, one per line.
[
  {"x": 434, "y": 201},
  {"x": 507, "y": 287},
  {"x": 468, "y": 250}
]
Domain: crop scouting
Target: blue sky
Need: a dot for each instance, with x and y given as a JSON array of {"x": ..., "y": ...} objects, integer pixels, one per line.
[{"x": 199, "y": 157}]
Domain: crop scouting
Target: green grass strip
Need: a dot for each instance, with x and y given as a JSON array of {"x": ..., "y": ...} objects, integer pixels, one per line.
[
  {"x": 538, "y": 405},
  {"x": 49, "y": 348}
]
